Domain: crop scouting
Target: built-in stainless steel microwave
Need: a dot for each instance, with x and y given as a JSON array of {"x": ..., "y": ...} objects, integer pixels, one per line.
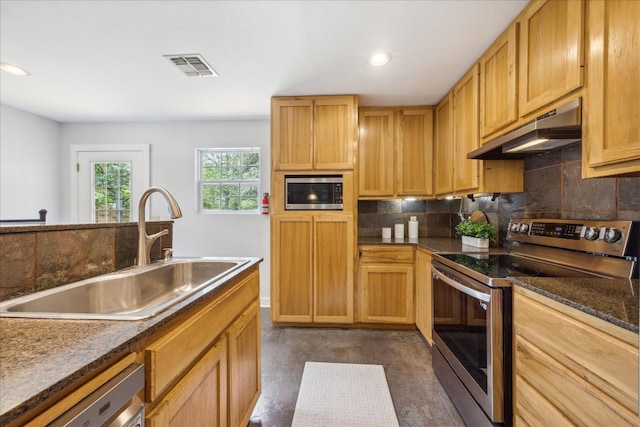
[{"x": 313, "y": 192}]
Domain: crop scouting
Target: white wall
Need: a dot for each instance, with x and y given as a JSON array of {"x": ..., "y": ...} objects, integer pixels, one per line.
[
  {"x": 173, "y": 150},
  {"x": 29, "y": 167}
]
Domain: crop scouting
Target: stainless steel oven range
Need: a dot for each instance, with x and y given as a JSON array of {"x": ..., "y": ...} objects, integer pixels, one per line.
[{"x": 472, "y": 302}]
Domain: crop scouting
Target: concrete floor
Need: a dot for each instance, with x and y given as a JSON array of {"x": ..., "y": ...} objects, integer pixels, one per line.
[{"x": 418, "y": 397}]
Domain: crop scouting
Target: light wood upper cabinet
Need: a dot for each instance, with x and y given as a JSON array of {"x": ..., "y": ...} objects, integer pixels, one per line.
[
  {"x": 551, "y": 52},
  {"x": 414, "y": 164},
  {"x": 611, "y": 130},
  {"x": 423, "y": 293},
  {"x": 571, "y": 368},
  {"x": 292, "y": 133},
  {"x": 386, "y": 284},
  {"x": 395, "y": 152},
  {"x": 376, "y": 152},
  {"x": 465, "y": 131},
  {"x": 312, "y": 268},
  {"x": 314, "y": 133},
  {"x": 457, "y": 133},
  {"x": 443, "y": 146},
  {"x": 499, "y": 83}
]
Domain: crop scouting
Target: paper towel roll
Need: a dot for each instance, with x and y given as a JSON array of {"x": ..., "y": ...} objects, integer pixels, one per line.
[
  {"x": 399, "y": 231},
  {"x": 413, "y": 228}
]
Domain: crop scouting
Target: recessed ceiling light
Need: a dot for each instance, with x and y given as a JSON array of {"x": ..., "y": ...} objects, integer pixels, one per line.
[
  {"x": 379, "y": 58},
  {"x": 13, "y": 69}
]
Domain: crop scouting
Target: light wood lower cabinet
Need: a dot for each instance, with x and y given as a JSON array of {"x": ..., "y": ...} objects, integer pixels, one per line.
[
  {"x": 424, "y": 297},
  {"x": 204, "y": 369},
  {"x": 312, "y": 268},
  {"x": 200, "y": 398},
  {"x": 244, "y": 365},
  {"x": 386, "y": 284},
  {"x": 571, "y": 368}
]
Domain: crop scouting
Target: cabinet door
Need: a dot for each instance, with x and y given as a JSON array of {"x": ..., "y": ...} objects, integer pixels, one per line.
[
  {"x": 335, "y": 132},
  {"x": 465, "y": 132},
  {"x": 443, "y": 146},
  {"x": 423, "y": 294},
  {"x": 414, "y": 168},
  {"x": 583, "y": 366},
  {"x": 387, "y": 293},
  {"x": 292, "y": 134},
  {"x": 291, "y": 270},
  {"x": 333, "y": 268},
  {"x": 551, "y": 52},
  {"x": 376, "y": 157},
  {"x": 499, "y": 83},
  {"x": 200, "y": 398},
  {"x": 611, "y": 132},
  {"x": 244, "y": 365}
]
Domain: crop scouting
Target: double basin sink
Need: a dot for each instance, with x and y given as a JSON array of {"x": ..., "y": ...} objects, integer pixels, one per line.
[{"x": 132, "y": 294}]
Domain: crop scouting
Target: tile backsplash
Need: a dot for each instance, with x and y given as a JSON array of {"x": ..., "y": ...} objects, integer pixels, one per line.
[
  {"x": 553, "y": 189},
  {"x": 35, "y": 258}
]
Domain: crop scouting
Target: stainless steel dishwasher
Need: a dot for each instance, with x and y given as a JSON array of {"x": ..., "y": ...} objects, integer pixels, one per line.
[{"x": 114, "y": 404}]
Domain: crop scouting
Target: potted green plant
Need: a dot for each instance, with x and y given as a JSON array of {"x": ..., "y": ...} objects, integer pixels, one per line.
[{"x": 476, "y": 233}]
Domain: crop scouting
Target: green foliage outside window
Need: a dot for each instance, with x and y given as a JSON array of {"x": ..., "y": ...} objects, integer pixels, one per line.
[
  {"x": 229, "y": 179},
  {"x": 111, "y": 192}
]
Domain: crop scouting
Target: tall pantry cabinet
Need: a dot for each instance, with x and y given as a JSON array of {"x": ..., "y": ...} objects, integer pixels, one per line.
[{"x": 313, "y": 252}]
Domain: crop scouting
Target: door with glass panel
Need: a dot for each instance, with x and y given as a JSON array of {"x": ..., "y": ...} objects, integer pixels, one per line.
[{"x": 108, "y": 182}]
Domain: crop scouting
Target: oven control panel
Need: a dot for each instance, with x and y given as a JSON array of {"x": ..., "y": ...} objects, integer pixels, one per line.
[
  {"x": 561, "y": 231},
  {"x": 618, "y": 238}
]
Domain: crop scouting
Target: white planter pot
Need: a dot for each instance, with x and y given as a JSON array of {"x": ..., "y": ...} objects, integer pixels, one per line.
[{"x": 475, "y": 242}]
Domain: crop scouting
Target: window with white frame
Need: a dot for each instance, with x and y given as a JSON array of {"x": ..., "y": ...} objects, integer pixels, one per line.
[{"x": 228, "y": 179}]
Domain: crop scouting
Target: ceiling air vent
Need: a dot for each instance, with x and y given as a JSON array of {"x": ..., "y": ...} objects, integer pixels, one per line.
[{"x": 193, "y": 65}]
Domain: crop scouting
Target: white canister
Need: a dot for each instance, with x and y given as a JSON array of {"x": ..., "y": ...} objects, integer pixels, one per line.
[
  {"x": 399, "y": 231},
  {"x": 386, "y": 232},
  {"x": 413, "y": 228}
]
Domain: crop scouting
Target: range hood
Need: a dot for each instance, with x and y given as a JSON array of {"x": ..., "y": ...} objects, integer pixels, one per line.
[{"x": 551, "y": 131}]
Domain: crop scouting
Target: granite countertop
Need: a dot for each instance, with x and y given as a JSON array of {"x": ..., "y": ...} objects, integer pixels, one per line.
[
  {"x": 41, "y": 357},
  {"x": 612, "y": 300}
]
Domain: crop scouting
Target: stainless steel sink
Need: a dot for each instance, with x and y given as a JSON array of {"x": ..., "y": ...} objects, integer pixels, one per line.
[{"x": 132, "y": 294}]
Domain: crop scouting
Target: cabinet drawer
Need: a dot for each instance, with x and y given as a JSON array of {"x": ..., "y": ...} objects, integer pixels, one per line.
[
  {"x": 200, "y": 398},
  {"x": 169, "y": 356},
  {"x": 589, "y": 352},
  {"x": 580, "y": 402},
  {"x": 390, "y": 253}
]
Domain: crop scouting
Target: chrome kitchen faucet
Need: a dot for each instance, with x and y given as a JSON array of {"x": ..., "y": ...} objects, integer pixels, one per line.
[{"x": 144, "y": 240}]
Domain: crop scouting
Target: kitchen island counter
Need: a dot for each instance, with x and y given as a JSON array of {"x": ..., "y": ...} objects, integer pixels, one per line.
[{"x": 40, "y": 358}]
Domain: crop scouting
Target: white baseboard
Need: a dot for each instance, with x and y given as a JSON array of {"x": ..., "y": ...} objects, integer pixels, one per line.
[{"x": 265, "y": 302}]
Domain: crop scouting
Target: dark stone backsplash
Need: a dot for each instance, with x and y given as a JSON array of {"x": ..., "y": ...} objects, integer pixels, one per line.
[
  {"x": 553, "y": 189},
  {"x": 36, "y": 258}
]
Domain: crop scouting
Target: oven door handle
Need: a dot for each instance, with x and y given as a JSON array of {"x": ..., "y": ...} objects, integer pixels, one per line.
[{"x": 459, "y": 286}]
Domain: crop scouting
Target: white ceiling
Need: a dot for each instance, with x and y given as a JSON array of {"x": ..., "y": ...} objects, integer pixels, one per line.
[{"x": 103, "y": 60}]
